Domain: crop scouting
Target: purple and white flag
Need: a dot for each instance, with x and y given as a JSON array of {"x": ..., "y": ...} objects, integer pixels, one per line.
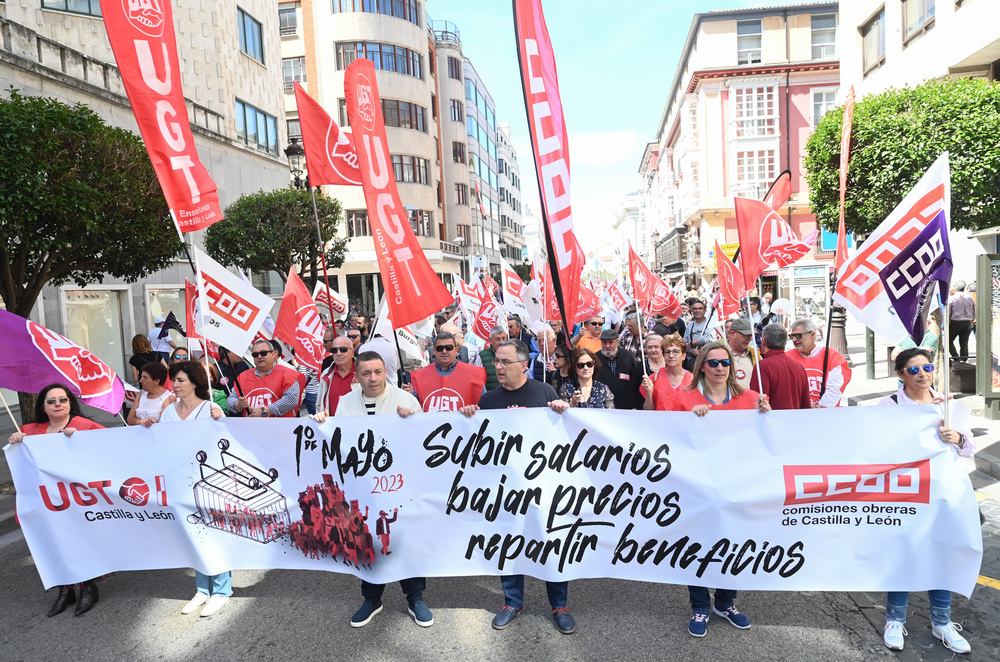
[
  {"x": 35, "y": 357},
  {"x": 909, "y": 277}
]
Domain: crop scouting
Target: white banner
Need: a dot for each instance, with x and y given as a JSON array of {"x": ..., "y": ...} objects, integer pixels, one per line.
[
  {"x": 332, "y": 309},
  {"x": 235, "y": 309},
  {"x": 735, "y": 499}
]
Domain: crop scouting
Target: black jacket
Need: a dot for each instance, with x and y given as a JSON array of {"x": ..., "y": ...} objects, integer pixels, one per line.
[{"x": 625, "y": 381}]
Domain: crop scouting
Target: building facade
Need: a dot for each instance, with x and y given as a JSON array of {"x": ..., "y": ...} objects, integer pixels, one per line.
[
  {"x": 231, "y": 76},
  {"x": 750, "y": 86}
]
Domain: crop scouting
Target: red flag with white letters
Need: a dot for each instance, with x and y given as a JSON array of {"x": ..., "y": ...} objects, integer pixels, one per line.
[
  {"x": 145, "y": 46},
  {"x": 730, "y": 281},
  {"x": 330, "y": 152},
  {"x": 413, "y": 290},
  {"x": 299, "y": 325},
  {"x": 486, "y": 319},
  {"x": 766, "y": 237},
  {"x": 650, "y": 292}
]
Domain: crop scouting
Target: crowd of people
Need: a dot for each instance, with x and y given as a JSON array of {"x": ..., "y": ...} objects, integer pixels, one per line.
[{"x": 659, "y": 363}]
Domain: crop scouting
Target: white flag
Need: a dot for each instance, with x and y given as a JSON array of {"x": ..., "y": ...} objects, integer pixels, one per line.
[
  {"x": 266, "y": 328},
  {"x": 234, "y": 310},
  {"x": 332, "y": 309},
  {"x": 405, "y": 336},
  {"x": 513, "y": 293}
]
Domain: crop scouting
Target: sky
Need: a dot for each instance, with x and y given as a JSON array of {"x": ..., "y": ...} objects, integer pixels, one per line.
[{"x": 616, "y": 63}]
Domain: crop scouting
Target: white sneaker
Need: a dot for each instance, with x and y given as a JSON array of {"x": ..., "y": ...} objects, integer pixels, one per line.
[
  {"x": 893, "y": 635},
  {"x": 214, "y": 604},
  {"x": 950, "y": 637},
  {"x": 198, "y": 600}
]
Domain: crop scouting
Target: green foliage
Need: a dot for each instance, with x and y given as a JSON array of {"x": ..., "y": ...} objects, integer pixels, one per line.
[
  {"x": 78, "y": 200},
  {"x": 273, "y": 230},
  {"x": 523, "y": 270},
  {"x": 896, "y": 136}
]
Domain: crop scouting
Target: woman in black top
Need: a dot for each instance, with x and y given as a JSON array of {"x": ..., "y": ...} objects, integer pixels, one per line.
[{"x": 142, "y": 353}]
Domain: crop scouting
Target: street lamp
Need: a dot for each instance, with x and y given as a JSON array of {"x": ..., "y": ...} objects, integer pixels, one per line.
[{"x": 296, "y": 162}]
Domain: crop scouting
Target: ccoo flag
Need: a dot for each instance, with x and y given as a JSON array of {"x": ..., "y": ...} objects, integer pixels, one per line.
[{"x": 909, "y": 277}]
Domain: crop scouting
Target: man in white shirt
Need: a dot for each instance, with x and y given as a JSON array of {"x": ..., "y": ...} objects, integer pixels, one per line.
[{"x": 162, "y": 346}]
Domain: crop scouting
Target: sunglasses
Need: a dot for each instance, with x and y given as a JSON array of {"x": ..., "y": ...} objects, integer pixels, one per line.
[
  {"x": 582, "y": 365},
  {"x": 180, "y": 356},
  {"x": 914, "y": 370},
  {"x": 259, "y": 354},
  {"x": 353, "y": 336},
  {"x": 715, "y": 363},
  {"x": 798, "y": 336},
  {"x": 342, "y": 350},
  {"x": 444, "y": 348},
  {"x": 52, "y": 401},
  {"x": 596, "y": 323}
]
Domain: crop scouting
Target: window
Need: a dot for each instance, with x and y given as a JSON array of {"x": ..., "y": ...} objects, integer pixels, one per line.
[
  {"x": 287, "y": 21},
  {"x": 756, "y": 168},
  {"x": 434, "y": 106},
  {"x": 873, "y": 38},
  {"x": 457, "y": 110},
  {"x": 422, "y": 222},
  {"x": 756, "y": 112},
  {"x": 294, "y": 129},
  {"x": 89, "y": 7},
  {"x": 256, "y": 128},
  {"x": 458, "y": 152},
  {"x": 357, "y": 223},
  {"x": 824, "y": 36},
  {"x": 294, "y": 69},
  {"x": 251, "y": 35},
  {"x": 454, "y": 68},
  {"x": 471, "y": 128},
  {"x": 918, "y": 18},
  {"x": 412, "y": 169},
  {"x": 462, "y": 194},
  {"x": 748, "y": 38},
  {"x": 823, "y": 102},
  {"x": 384, "y": 56},
  {"x": 408, "y": 10},
  {"x": 470, "y": 90},
  {"x": 402, "y": 114}
]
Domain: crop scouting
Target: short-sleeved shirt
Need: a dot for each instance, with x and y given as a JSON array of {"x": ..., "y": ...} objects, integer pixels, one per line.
[{"x": 532, "y": 393}]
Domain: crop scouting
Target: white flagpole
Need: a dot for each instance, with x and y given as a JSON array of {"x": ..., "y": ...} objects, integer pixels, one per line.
[
  {"x": 753, "y": 338},
  {"x": 204, "y": 341},
  {"x": 642, "y": 352},
  {"x": 946, "y": 351}
]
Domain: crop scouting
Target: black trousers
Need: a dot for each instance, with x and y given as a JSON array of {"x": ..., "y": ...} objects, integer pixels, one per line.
[
  {"x": 960, "y": 330},
  {"x": 413, "y": 588}
]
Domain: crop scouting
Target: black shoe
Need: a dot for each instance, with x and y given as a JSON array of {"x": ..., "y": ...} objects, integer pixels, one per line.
[
  {"x": 88, "y": 598},
  {"x": 66, "y": 597},
  {"x": 564, "y": 621},
  {"x": 505, "y": 617}
]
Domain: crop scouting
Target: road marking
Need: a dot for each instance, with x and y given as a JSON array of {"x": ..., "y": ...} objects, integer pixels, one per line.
[
  {"x": 988, "y": 581},
  {"x": 981, "y": 497}
]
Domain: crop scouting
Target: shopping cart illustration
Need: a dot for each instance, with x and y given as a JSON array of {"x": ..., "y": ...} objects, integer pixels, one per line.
[{"x": 239, "y": 499}]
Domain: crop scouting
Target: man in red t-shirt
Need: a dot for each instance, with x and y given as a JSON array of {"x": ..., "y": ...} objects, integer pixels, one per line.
[{"x": 811, "y": 356}]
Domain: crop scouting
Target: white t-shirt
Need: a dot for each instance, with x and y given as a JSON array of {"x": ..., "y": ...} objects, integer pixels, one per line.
[
  {"x": 159, "y": 344},
  {"x": 150, "y": 407},
  {"x": 170, "y": 415}
]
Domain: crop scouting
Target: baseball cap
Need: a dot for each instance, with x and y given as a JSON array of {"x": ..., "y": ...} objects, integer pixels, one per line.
[
  {"x": 742, "y": 326},
  {"x": 159, "y": 320}
]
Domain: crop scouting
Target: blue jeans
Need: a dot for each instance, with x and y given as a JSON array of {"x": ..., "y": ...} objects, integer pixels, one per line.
[
  {"x": 895, "y": 606},
  {"x": 309, "y": 402},
  {"x": 513, "y": 591},
  {"x": 221, "y": 584},
  {"x": 413, "y": 588},
  {"x": 702, "y": 601}
]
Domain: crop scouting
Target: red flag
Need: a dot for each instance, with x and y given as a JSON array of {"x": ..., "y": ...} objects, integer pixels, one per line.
[
  {"x": 479, "y": 199},
  {"x": 330, "y": 152},
  {"x": 588, "y": 306},
  {"x": 765, "y": 237},
  {"x": 486, "y": 319},
  {"x": 491, "y": 286},
  {"x": 142, "y": 38},
  {"x": 651, "y": 293},
  {"x": 413, "y": 290},
  {"x": 550, "y": 147},
  {"x": 731, "y": 286},
  {"x": 299, "y": 325},
  {"x": 845, "y": 155},
  {"x": 780, "y": 191}
]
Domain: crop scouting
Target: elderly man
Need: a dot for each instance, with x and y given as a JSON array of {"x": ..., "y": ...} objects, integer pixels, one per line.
[
  {"x": 517, "y": 332},
  {"x": 466, "y": 354},
  {"x": 961, "y": 315},
  {"x": 337, "y": 379},
  {"x": 667, "y": 325},
  {"x": 739, "y": 337},
  {"x": 378, "y": 396},
  {"x": 783, "y": 380},
  {"x": 270, "y": 389},
  {"x": 517, "y": 391},
  {"x": 696, "y": 331},
  {"x": 498, "y": 334},
  {"x": 543, "y": 365},
  {"x": 590, "y": 335},
  {"x": 630, "y": 339},
  {"x": 621, "y": 372},
  {"x": 812, "y": 356},
  {"x": 447, "y": 384}
]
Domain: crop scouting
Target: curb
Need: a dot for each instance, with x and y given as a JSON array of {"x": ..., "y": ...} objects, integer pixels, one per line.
[{"x": 988, "y": 460}]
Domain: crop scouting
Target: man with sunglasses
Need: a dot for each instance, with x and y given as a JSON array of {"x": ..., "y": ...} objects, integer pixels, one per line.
[
  {"x": 337, "y": 379},
  {"x": 270, "y": 389},
  {"x": 813, "y": 358},
  {"x": 447, "y": 384},
  {"x": 590, "y": 335},
  {"x": 781, "y": 378},
  {"x": 466, "y": 353}
]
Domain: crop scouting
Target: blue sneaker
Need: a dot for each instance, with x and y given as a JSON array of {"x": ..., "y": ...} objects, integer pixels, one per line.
[
  {"x": 422, "y": 616},
  {"x": 734, "y": 617},
  {"x": 564, "y": 621},
  {"x": 365, "y": 613},
  {"x": 504, "y": 618},
  {"x": 699, "y": 624}
]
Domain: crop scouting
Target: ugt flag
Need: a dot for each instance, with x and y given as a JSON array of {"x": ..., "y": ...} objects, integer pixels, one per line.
[
  {"x": 909, "y": 278},
  {"x": 330, "y": 152},
  {"x": 299, "y": 325},
  {"x": 34, "y": 357}
]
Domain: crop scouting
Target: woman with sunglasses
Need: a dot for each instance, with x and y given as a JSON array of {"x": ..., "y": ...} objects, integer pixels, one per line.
[
  {"x": 658, "y": 388},
  {"x": 582, "y": 390},
  {"x": 562, "y": 363},
  {"x": 58, "y": 410},
  {"x": 915, "y": 370},
  {"x": 179, "y": 354}
]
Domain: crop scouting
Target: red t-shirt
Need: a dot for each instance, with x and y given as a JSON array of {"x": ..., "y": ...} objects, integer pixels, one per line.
[
  {"x": 77, "y": 422},
  {"x": 663, "y": 392},
  {"x": 339, "y": 386},
  {"x": 685, "y": 399}
]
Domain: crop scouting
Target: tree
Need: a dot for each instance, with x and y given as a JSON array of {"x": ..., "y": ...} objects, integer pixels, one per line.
[
  {"x": 273, "y": 230},
  {"x": 79, "y": 201},
  {"x": 523, "y": 270},
  {"x": 896, "y": 136}
]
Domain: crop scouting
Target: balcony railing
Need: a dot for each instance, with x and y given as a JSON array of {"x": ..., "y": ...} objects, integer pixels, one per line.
[{"x": 450, "y": 248}]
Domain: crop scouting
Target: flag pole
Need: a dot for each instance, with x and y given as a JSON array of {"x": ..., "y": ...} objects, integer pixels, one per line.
[
  {"x": 642, "y": 350},
  {"x": 946, "y": 351},
  {"x": 756, "y": 366},
  {"x": 204, "y": 347},
  {"x": 7, "y": 407},
  {"x": 322, "y": 255},
  {"x": 826, "y": 336}
]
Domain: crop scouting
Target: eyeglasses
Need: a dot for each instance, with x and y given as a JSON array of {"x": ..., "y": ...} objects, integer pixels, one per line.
[
  {"x": 342, "y": 350},
  {"x": 561, "y": 356},
  {"x": 672, "y": 351},
  {"x": 581, "y": 365},
  {"x": 505, "y": 362},
  {"x": 353, "y": 336},
  {"x": 326, "y": 340},
  {"x": 715, "y": 363},
  {"x": 798, "y": 336},
  {"x": 444, "y": 348},
  {"x": 259, "y": 354},
  {"x": 52, "y": 401},
  {"x": 914, "y": 370}
]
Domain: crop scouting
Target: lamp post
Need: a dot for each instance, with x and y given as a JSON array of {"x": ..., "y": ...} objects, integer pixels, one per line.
[
  {"x": 296, "y": 163},
  {"x": 460, "y": 240}
]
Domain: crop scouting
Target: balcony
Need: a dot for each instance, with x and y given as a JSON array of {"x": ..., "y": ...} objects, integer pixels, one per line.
[{"x": 451, "y": 248}]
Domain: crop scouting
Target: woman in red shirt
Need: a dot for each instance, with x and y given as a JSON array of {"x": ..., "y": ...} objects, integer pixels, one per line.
[
  {"x": 58, "y": 410},
  {"x": 658, "y": 388}
]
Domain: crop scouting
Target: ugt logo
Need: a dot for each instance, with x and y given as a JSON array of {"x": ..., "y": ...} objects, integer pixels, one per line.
[{"x": 134, "y": 491}]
